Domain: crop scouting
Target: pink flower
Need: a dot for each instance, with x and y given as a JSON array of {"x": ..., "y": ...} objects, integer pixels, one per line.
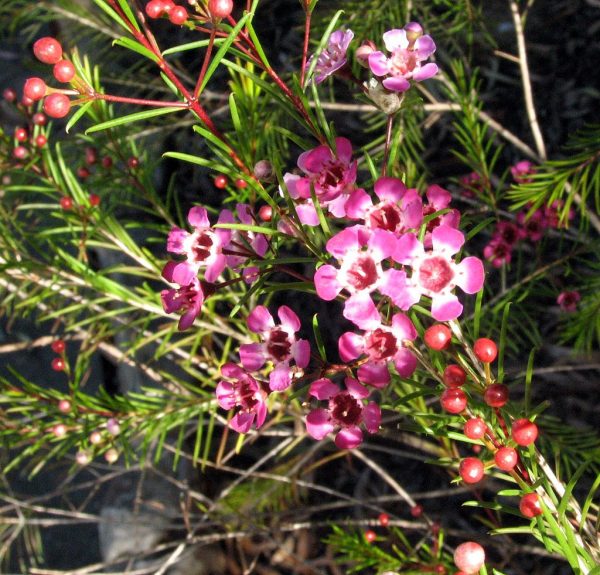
[
  {"x": 331, "y": 175},
  {"x": 333, "y": 57},
  {"x": 399, "y": 209},
  {"x": 242, "y": 242},
  {"x": 439, "y": 199},
  {"x": 568, "y": 301},
  {"x": 360, "y": 254},
  {"x": 507, "y": 232},
  {"x": 533, "y": 227},
  {"x": 381, "y": 345},
  {"x": 203, "y": 247},
  {"x": 435, "y": 274},
  {"x": 345, "y": 412},
  {"x": 280, "y": 345},
  {"x": 498, "y": 252},
  {"x": 244, "y": 391},
  {"x": 409, "y": 48},
  {"x": 472, "y": 184},
  {"x": 188, "y": 297},
  {"x": 521, "y": 170}
]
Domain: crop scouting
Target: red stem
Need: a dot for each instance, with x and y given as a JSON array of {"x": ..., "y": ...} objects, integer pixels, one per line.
[
  {"x": 138, "y": 101},
  {"x": 209, "y": 48},
  {"x": 305, "y": 47}
]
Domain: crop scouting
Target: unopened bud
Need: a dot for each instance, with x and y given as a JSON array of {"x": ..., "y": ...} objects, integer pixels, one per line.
[
  {"x": 64, "y": 405},
  {"x": 59, "y": 430},
  {"x": 82, "y": 457},
  {"x": 111, "y": 455},
  {"x": 112, "y": 426},
  {"x": 414, "y": 31},
  {"x": 95, "y": 437},
  {"x": 263, "y": 170},
  {"x": 364, "y": 51}
]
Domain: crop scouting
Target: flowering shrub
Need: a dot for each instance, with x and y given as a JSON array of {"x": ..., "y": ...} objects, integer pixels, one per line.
[{"x": 304, "y": 293}]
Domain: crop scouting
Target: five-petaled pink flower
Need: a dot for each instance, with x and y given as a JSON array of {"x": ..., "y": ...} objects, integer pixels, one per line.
[
  {"x": 333, "y": 57},
  {"x": 381, "y": 345},
  {"x": 435, "y": 274},
  {"x": 568, "y": 301},
  {"x": 203, "y": 247},
  {"x": 398, "y": 210},
  {"x": 409, "y": 48},
  {"x": 188, "y": 297},
  {"x": 279, "y": 345},
  {"x": 331, "y": 175},
  {"x": 360, "y": 253},
  {"x": 345, "y": 412},
  {"x": 244, "y": 391}
]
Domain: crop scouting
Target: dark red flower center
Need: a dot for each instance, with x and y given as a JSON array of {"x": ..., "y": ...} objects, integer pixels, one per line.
[
  {"x": 363, "y": 273},
  {"x": 279, "y": 344},
  {"x": 435, "y": 274},
  {"x": 435, "y": 222},
  {"x": 332, "y": 175},
  {"x": 381, "y": 345},
  {"x": 246, "y": 393},
  {"x": 345, "y": 410},
  {"x": 509, "y": 233},
  {"x": 386, "y": 216},
  {"x": 202, "y": 246}
]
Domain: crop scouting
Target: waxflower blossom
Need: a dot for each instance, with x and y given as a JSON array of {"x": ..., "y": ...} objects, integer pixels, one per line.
[
  {"x": 202, "y": 248},
  {"x": 239, "y": 240},
  {"x": 521, "y": 171},
  {"x": 498, "y": 252},
  {"x": 189, "y": 297},
  {"x": 279, "y": 345},
  {"x": 243, "y": 392},
  {"x": 360, "y": 253},
  {"x": 333, "y": 57},
  {"x": 331, "y": 175},
  {"x": 568, "y": 300},
  {"x": 381, "y": 345},
  {"x": 398, "y": 210},
  {"x": 435, "y": 274},
  {"x": 409, "y": 48},
  {"x": 345, "y": 412},
  {"x": 438, "y": 199}
]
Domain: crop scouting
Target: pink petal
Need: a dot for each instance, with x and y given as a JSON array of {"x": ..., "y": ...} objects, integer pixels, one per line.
[
  {"x": 232, "y": 371},
  {"x": 395, "y": 40},
  {"x": 382, "y": 244},
  {"x": 225, "y": 395},
  {"x": 378, "y": 63},
  {"x": 183, "y": 273},
  {"x": 396, "y": 84},
  {"x": 358, "y": 202},
  {"x": 438, "y": 197},
  {"x": 288, "y": 318},
  {"x": 407, "y": 248},
  {"x": 252, "y": 356},
  {"x": 402, "y": 327},
  {"x": 261, "y": 413},
  {"x": 214, "y": 270},
  {"x": 355, "y": 389},
  {"x": 323, "y": 389},
  {"x": 188, "y": 318},
  {"x": 312, "y": 162},
  {"x": 447, "y": 240},
  {"x": 426, "y": 72},
  {"x": 445, "y": 307},
  {"x": 372, "y": 417},
  {"x": 241, "y": 422},
  {"x": 326, "y": 282},
  {"x": 318, "y": 424},
  {"x": 301, "y": 353},
  {"x": 396, "y": 287},
  {"x": 424, "y": 47},
  {"x": 343, "y": 148},
  {"x": 349, "y": 438},
  {"x": 392, "y": 189},
  {"x": 342, "y": 242},
  {"x": 412, "y": 206},
  {"x": 375, "y": 374},
  {"x": 244, "y": 213},
  {"x": 280, "y": 378},
  {"x": 260, "y": 320},
  {"x": 405, "y": 362},
  {"x": 176, "y": 239},
  {"x": 337, "y": 206},
  {"x": 361, "y": 310},
  {"x": 351, "y": 345},
  {"x": 290, "y": 181},
  {"x": 307, "y": 214},
  {"x": 198, "y": 217},
  {"x": 470, "y": 274}
]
